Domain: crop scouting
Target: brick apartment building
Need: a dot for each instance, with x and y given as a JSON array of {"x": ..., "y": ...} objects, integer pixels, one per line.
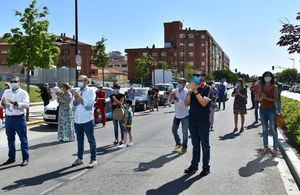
[
  {"x": 182, "y": 46},
  {"x": 66, "y": 57}
]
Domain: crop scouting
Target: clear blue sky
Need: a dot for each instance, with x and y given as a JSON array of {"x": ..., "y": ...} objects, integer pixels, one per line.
[{"x": 247, "y": 30}]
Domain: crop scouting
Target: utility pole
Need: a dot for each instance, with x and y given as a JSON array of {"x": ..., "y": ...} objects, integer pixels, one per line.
[{"x": 76, "y": 37}]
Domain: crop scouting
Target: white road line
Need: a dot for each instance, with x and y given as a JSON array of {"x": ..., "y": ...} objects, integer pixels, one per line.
[
  {"x": 78, "y": 174},
  {"x": 52, "y": 188}
]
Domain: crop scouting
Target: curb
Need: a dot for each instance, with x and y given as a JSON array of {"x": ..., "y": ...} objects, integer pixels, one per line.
[
  {"x": 291, "y": 159},
  {"x": 35, "y": 122}
]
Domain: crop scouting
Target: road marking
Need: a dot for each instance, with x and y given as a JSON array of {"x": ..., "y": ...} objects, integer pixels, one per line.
[
  {"x": 52, "y": 188},
  {"x": 78, "y": 175}
]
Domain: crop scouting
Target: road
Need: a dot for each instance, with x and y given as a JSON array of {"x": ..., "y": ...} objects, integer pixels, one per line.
[
  {"x": 149, "y": 166},
  {"x": 295, "y": 96}
]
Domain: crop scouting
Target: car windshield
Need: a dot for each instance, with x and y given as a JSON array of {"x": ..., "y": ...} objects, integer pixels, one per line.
[
  {"x": 141, "y": 92},
  {"x": 162, "y": 87}
]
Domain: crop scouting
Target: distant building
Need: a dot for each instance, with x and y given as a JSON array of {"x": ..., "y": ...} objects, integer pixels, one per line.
[
  {"x": 118, "y": 61},
  {"x": 182, "y": 46},
  {"x": 110, "y": 75}
]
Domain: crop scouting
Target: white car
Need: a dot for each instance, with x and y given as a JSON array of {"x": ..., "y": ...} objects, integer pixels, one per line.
[{"x": 50, "y": 115}]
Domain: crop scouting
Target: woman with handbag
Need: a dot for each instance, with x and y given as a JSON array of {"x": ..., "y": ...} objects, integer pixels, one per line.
[
  {"x": 268, "y": 95},
  {"x": 117, "y": 100}
]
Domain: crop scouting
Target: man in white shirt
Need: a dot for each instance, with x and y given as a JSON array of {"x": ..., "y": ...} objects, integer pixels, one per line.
[
  {"x": 54, "y": 90},
  {"x": 84, "y": 120},
  {"x": 181, "y": 115},
  {"x": 15, "y": 102}
]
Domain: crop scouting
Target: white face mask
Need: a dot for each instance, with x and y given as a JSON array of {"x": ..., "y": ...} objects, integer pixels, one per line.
[{"x": 268, "y": 79}]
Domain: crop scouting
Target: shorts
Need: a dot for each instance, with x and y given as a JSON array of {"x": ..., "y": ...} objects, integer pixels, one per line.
[
  {"x": 133, "y": 102},
  {"x": 239, "y": 111},
  {"x": 127, "y": 129},
  {"x": 151, "y": 100}
]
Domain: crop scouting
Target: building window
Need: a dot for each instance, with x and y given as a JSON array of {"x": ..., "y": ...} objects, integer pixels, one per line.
[
  {"x": 181, "y": 63},
  {"x": 191, "y": 54},
  {"x": 202, "y": 36},
  {"x": 191, "y": 44},
  {"x": 154, "y": 54},
  {"x": 175, "y": 63},
  {"x": 190, "y": 36},
  {"x": 163, "y": 54},
  {"x": 175, "y": 54},
  {"x": 191, "y": 63},
  {"x": 181, "y": 44},
  {"x": 124, "y": 65},
  {"x": 203, "y": 54},
  {"x": 203, "y": 44},
  {"x": 65, "y": 52},
  {"x": 203, "y": 63},
  {"x": 4, "y": 52},
  {"x": 181, "y": 35},
  {"x": 181, "y": 54},
  {"x": 145, "y": 53}
]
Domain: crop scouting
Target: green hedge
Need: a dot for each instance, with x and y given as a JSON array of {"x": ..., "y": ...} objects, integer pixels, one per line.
[{"x": 291, "y": 114}]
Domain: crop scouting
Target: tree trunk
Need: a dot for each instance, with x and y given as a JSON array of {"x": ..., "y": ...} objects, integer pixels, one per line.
[
  {"x": 142, "y": 82},
  {"x": 103, "y": 76},
  {"x": 28, "y": 90}
]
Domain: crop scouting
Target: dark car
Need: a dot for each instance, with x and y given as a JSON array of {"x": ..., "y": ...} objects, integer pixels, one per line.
[
  {"x": 163, "y": 88},
  {"x": 141, "y": 101}
]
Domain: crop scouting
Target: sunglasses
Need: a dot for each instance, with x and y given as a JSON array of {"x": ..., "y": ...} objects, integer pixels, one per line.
[
  {"x": 14, "y": 81},
  {"x": 196, "y": 75}
]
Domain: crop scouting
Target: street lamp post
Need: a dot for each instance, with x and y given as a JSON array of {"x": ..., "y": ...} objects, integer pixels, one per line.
[
  {"x": 76, "y": 36},
  {"x": 293, "y": 61}
]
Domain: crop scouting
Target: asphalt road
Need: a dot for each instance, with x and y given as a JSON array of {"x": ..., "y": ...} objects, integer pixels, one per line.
[{"x": 149, "y": 166}]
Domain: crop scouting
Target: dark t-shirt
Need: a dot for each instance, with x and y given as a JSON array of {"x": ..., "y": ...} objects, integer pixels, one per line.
[
  {"x": 198, "y": 113},
  {"x": 118, "y": 97}
]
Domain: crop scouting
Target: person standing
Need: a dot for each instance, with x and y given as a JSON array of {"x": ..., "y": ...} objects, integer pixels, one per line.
[
  {"x": 156, "y": 97},
  {"x": 199, "y": 124},
  {"x": 45, "y": 94},
  {"x": 239, "y": 105},
  {"x": 213, "y": 96},
  {"x": 84, "y": 120},
  {"x": 128, "y": 115},
  {"x": 15, "y": 102},
  {"x": 100, "y": 105},
  {"x": 117, "y": 100},
  {"x": 151, "y": 99},
  {"x": 181, "y": 116},
  {"x": 278, "y": 101},
  {"x": 6, "y": 86},
  {"x": 66, "y": 132},
  {"x": 256, "y": 89},
  {"x": 132, "y": 95},
  {"x": 221, "y": 95},
  {"x": 54, "y": 91},
  {"x": 268, "y": 95}
]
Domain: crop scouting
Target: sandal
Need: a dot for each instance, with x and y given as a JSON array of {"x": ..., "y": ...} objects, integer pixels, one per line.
[
  {"x": 242, "y": 129},
  {"x": 264, "y": 151},
  {"x": 274, "y": 153},
  {"x": 235, "y": 129}
]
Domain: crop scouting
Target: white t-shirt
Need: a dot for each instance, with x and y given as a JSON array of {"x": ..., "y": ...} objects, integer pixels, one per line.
[
  {"x": 54, "y": 90},
  {"x": 181, "y": 110}
]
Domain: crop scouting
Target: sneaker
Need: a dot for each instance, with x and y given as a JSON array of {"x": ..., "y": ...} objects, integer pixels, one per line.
[
  {"x": 182, "y": 150},
  {"x": 191, "y": 170},
  {"x": 130, "y": 144},
  {"x": 115, "y": 142},
  {"x": 24, "y": 163},
  {"x": 120, "y": 142},
  {"x": 204, "y": 172},
  {"x": 77, "y": 162},
  {"x": 92, "y": 164},
  {"x": 9, "y": 161},
  {"x": 177, "y": 147},
  {"x": 122, "y": 146}
]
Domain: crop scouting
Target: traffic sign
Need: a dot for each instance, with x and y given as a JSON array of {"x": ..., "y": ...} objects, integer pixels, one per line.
[{"x": 78, "y": 60}]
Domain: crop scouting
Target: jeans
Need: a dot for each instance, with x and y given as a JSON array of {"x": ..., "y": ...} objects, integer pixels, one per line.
[
  {"x": 222, "y": 98},
  {"x": 267, "y": 116},
  {"x": 184, "y": 125},
  {"x": 121, "y": 124},
  {"x": 200, "y": 135},
  {"x": 13, "y": 125},
  {"x": 88, "y": 129},
  {"x": 256, "y": 106},
  {"x": 278, "y": 106}
]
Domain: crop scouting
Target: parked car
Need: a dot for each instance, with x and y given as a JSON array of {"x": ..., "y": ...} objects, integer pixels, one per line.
[
  {"x": 163, "y": 88},
  {"x": 285, "y": 88},
  {"x": 50, "y": 114},
  {"x": 141, "y": 102},
  {"x": 297, "y": 89}
]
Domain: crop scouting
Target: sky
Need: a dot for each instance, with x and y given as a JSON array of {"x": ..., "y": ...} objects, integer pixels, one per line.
[{"x": 246, "y": 30}]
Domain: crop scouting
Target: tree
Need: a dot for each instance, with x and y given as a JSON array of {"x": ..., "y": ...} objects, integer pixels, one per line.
[
  {"x": 143, "y": 67},
  {"x": 227, "y": 74},
  {"x": 163, "y": 65},
  {"x": 33, "y": 46},
  {"x": 289, "y": 75},
  {"x": 100, "y": 58},
  {"x": 188, "y": 72},
  {"x": 291, "y": 36}
]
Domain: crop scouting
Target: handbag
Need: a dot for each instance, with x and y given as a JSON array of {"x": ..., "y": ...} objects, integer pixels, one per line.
[
  {"x": 118, "y": 114},
  {"x": 279, "y": 121}
]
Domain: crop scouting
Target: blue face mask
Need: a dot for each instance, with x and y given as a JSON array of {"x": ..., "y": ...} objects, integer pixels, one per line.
[
  {"x": 15, "y": 86},
  {"x": 80, "y": 84},
  {"x": 196, "y": 79}
]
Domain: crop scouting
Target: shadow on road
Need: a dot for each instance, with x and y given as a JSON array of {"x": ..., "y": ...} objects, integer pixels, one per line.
[
  {"x": 176, "y": 186},
  {"x": 253, "y": 126},
  {"x": 44, "y": 128},
  {"x": 37, "y": 180},
  {"x": 42, "y": 145},
  {"x": 8, "y": 167},
  {"x": 103, "y": 150},
  {"x": 157, "y": 163},
  {"x": 256, "y": 166},
  {"x": 227, "y": 136}
]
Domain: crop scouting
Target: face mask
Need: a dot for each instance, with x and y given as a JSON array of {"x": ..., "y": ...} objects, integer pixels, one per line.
[
  {"x": 80, "y": 84},
  {"x": 196, "y": 79},
  {"x": 268, "y": 79},
  {"x": 14, "y": 86},
  {"x": 179, "y": 86},
  {"x": 117, "y": 91}
]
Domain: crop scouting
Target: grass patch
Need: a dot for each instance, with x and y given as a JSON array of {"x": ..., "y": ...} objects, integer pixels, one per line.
[
  {"x": 33, "y": 96},
  {"x": 291, "y": 113}
]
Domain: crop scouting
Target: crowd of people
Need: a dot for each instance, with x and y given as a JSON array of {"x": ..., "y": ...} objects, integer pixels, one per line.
[{"x": 194, "y": 102}]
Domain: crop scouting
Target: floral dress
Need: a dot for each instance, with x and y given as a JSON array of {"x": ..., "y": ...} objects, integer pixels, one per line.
[{"x": 66, "y": 130}]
